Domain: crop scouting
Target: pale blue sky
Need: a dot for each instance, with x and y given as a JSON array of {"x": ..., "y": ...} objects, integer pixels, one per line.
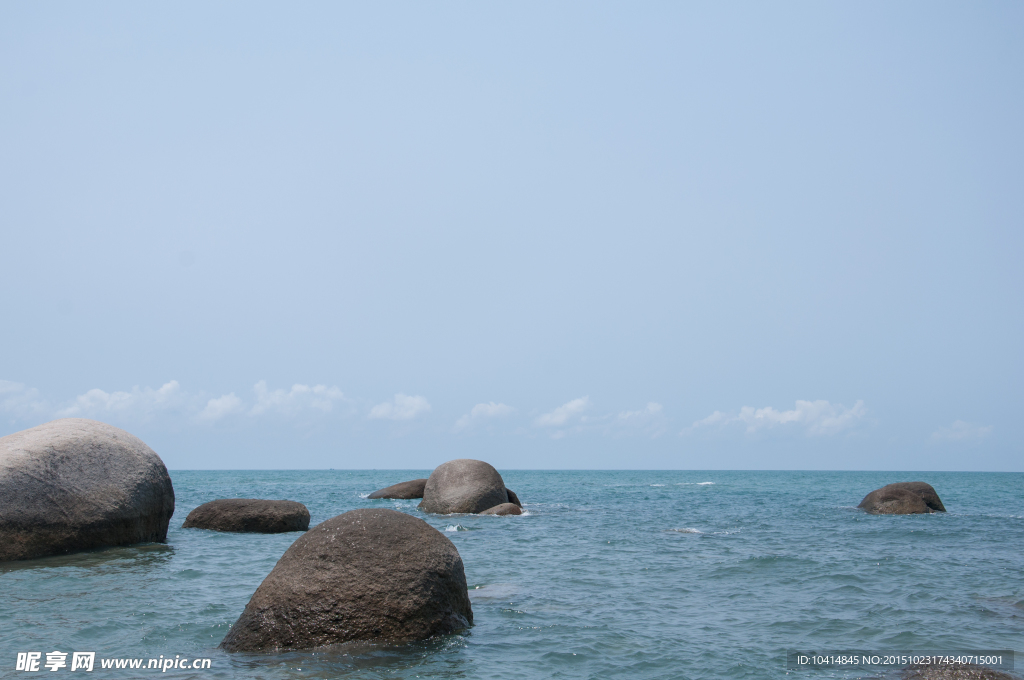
[{"x": 548, "y": 235}]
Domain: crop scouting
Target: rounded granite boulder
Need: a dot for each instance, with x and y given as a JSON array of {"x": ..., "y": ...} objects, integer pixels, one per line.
[
  {"x": 75, "y": 484},
  {"x": 463, "y": 485},
  {"x": 370, "y": 574},
  {"x": 925, "y": 491},
  {"x": 402, "y": 490},
  {"x": 252, "y": 515},
  {"x": 503, "y": 509},
  {"x": 903, "y": 498}
]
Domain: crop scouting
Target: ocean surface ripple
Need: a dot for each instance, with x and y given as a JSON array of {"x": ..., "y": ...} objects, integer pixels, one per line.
[{"x": 636, "y": 575}]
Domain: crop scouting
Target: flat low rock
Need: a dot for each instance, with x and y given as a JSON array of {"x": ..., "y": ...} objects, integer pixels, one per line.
[
  {"x": 402, "y": 490},
  {"x": 953, "y": 672},
  {"x": 75, "y": 484},
  {"x": 902, "y": 498},
  {"x": 253, "y": 515},
  {"x": 463, "y": 486},
  {"x": 503, "y": 509},
  {"x": 369, "y": 574}
]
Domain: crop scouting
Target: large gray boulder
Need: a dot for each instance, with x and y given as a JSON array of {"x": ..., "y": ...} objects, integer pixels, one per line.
[
  {"x": 903, "y": 498},
  {"x": 75, "y": 484},
  {"x": 252, "y": 515},
  {"x": 371, "y": 574},
  {"x": 402, "y": 490},
  {"x": 463, "y": 485},
  {"x": 512, "y": 497}
]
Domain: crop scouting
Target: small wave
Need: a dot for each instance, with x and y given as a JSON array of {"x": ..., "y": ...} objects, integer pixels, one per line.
[
  {"x": 687, "y": 530},
  {"x": 364, "y": 495},
  {"x": 704, "y": 483},
  {"x": 693, "y": 483},
  {"x": 657, "y": 485},
  {"x": 455, "y": 527},
  {"x": 494, "y": 591}
]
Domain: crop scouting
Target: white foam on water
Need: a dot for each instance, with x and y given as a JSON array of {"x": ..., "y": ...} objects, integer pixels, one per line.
[
  {"x": 455, "y": 527},
  {"x": 364, "y": 495},
  {"x": 704, "y": 483},
  {"x": 693, "y": 483},
  {"x": 657, "y": 485},
  {"x": 688, "y": 530},
  {"x": 494, "y": 591}
]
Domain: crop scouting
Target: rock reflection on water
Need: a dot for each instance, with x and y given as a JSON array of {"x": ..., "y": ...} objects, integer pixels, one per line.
[
  {"x": 129, "y": 557},
  {"x": 360, "y": 659}
]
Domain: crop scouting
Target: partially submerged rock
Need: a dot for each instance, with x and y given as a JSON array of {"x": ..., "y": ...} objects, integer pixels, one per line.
[
  {"x": 512, "y": 497},
  {"x": 370, "y": 574},
  {"x": 402, "y": 490},
  {"x": 903, "y": 498},
  {"x": 463, "y": 485},
  {"x": 249, "y": 515},
  {"x": 925, "y": 491},
  {"x": 937, "y": 671},
  {"x": 503, "y": 509},
  {"x": 75, "y": 484}
]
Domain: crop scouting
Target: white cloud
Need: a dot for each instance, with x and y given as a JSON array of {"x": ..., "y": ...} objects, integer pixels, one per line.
[
  {"x": 138, "y": 402},
  {"x": 652, "y": 410},
  {"x": 815, "y": 417},
  {"x": 146, "y": 402},
  {"x": 403, "y": 407},
  {"x": 482, "y": 411},
  {"x": 299, "y": 398},
  {"x": 221, "y": 406},
  {"x": 561, "y": 415},
  {"x": 961, "y": 431},
  {"x": 20, "y": 401},
  {"x": 716, "y": 418},
  {"x": 649, "y": 420}
]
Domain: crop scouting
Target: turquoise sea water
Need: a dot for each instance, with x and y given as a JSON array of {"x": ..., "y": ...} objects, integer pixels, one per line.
[{"x": 609, "y": 575}]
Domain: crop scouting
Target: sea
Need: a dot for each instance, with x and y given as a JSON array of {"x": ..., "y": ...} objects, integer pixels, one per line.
[{"x": 608, "y": 574}]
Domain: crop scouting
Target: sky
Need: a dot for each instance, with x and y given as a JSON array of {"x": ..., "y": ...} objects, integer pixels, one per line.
[{"x": 653, "y": 235}]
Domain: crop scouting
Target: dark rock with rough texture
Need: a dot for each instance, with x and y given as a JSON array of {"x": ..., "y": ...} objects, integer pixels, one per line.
[
  {"x": 512, "y": 497},
  {"x": 503, "y": 509},
  {"x": 925, "y": 491},
  {"x": 402, "y": 490},
  {"x": 370, "y": 574},
  {"x": 75, "y": 484},
  {"x": 894, "y": 502},
  {"x": 903, "y": 498},
  {"x": 252, "y": 515},
  {"x": 463, "y": 485},
  {"x": 953, "y": 672}
]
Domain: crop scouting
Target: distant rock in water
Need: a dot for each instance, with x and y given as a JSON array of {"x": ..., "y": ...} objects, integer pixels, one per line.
[
  {"x": 402, "y": 490},
  {"x": 75, "y": 484},
  {"x": 503, "y": 509},
  {"x": 512, "y": 497},
  {"x": 370, "y": 574},
  {"x": 903, "y": 498},
  {"x": 463, "y": 485},
  {"x": 966, "y": 671},
  {"x": 925, "y": 491},
  {"x": 249, "y": 515}
]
